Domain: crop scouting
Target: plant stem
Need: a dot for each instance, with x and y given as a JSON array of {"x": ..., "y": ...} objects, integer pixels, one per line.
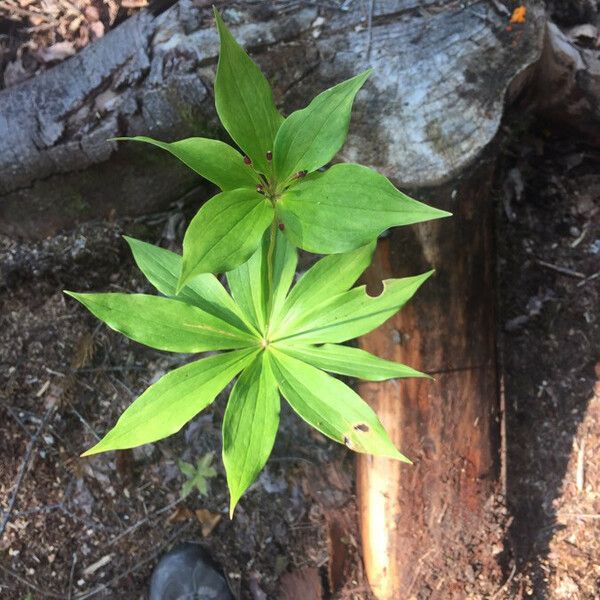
[{"x": 270, "y": 268}]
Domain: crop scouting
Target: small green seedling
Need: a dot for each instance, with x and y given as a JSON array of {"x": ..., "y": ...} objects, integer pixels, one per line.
[
  {"x": 197, "y": 477},
  {"x": 277, "y": 338}
]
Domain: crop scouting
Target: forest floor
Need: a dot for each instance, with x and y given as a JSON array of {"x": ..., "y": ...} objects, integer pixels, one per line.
[
  {"x": 94, "y": 528},
  {"x": 548, "y": 232},
  {"x": 83, "y": 528}
]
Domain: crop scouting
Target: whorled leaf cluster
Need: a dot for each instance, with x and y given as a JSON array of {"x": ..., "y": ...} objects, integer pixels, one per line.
[{"x": 278, "y": 337}]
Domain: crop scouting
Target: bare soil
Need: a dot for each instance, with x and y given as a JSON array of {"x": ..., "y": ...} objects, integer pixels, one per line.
[{"x": 549, "y": 274}]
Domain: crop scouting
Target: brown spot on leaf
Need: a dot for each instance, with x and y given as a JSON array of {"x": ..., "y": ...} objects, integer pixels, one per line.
[{"x": 362, "y": 427}]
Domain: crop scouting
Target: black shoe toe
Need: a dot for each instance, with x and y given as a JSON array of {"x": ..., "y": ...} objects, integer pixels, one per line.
[{"x": 188, "y": 573}]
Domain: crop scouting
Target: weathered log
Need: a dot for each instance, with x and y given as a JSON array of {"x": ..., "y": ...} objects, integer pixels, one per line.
[
  {"x": 434, "y": 101},
  {"x": 422, "y": 524}
]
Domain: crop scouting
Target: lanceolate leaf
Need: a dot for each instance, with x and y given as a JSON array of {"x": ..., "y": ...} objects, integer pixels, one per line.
[
  {"x": 244, "y": 101},
  {"x": 164, "y": 323},
  {"x": 346, "y": 207},
  {"x": 285, "y": 260},
  {"x": 225, "y": 233},
  {"x": 350, "y": 314},
  {"x": 250, "y": 426},
  {"x": 331, "y": 407},
  {"x": 214, "y": 160},
  {"x": 162, "y": 268},
  {"x": 325, "y": 279},
  {"x": 249, "y": 283},
  {"x": 166, "y": 406},
  {"x": 310, "y": 138},
  {"x": 352, "y": 362},
  {"x": 247, "y": 287}
]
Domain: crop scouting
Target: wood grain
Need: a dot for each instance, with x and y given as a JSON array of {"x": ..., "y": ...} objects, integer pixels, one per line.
[{"x": 448, "y": 427}]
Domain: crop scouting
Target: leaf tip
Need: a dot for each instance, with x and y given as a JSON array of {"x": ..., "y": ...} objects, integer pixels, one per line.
[
  {"x": 218, "y": 19},
  {"x": 120, "y": 139},
  {"x": 183, "y": 278},
  {"x": 233, "y": 501},
  {"x": 404, "y": 459},
  {"x": 181, "y": 283},
  {"x": 90, "y": 452},
  {"x": 367, "y": 73}
]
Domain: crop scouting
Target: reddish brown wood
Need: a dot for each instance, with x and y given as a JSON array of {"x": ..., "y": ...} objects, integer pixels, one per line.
[{"x": 418, "y": 521}]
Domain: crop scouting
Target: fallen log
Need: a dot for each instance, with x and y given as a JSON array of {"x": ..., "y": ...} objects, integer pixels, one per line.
[
  {"x": 434, "y": 101},
  {"x": 423, "y": 525}
]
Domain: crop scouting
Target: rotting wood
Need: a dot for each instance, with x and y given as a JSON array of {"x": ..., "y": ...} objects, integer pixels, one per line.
[{"x": 435, "y": 514}]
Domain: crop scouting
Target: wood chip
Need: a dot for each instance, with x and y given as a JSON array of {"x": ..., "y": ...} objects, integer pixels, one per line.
[
  {"x": 97, "y": 565},
  {"x": 208, "y": 520}
]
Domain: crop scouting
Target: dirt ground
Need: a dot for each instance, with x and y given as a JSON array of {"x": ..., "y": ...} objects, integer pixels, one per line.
[
  {"x": 549, "y": 276},
  {"x": 94, "y": 528}
]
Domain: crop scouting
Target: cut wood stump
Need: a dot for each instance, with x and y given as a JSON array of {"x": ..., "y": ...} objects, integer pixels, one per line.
[{"x": 433, "y": 102}]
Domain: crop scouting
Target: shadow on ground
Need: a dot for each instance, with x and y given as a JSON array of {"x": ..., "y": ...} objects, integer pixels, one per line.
[{"x": 549, "y": 251}]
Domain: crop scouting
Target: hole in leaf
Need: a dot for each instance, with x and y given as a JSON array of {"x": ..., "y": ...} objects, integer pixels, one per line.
[
  {"x": 362, "y": 427},
  {"x": 374, "y": 288}
]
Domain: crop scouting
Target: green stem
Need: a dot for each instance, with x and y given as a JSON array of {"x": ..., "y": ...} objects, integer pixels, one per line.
[{"x": 270, "y": 268}]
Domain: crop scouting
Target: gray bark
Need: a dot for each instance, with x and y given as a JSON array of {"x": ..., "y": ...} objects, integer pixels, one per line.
[
  {"x": 435, "y": 99},
  {"x": 568, "y": 85}
]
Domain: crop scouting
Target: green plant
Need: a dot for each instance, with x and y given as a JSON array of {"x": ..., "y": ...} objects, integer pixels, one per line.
[
  {"x": 199, "y": 476},
  {"x": 280, "y": 338}
]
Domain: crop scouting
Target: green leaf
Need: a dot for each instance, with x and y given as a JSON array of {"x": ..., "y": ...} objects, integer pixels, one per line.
[
  {"x": 224, "y": 233},
  {"x": 249, "y": 283},
  {"x": 250, "y": 426},
  {"x": 214, "y": 160},
  {"x": 244, "y": 101},
  {"x": 310, "y": 138},
  {"x": 164, "y": 323},
  {"x": 331, "y": 407},
  {"x": 186, "y": 468},
  {"x": 167, "y": 405},
  {"x": 187, "y": 488},
  {"x": 327, "y": 278},
  {"x": 346, "y": 207},
  {"x": 199, "y": 476},
  {"x": 162, "y": 268},
  {"x": 350, "y": 314},
  {"x": 352, "y": 362}
]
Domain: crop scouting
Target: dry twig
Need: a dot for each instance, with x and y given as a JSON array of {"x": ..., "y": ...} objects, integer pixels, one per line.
[
  {"x": 23, "y": 469},
  {"x": 559, "y": 269}
]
